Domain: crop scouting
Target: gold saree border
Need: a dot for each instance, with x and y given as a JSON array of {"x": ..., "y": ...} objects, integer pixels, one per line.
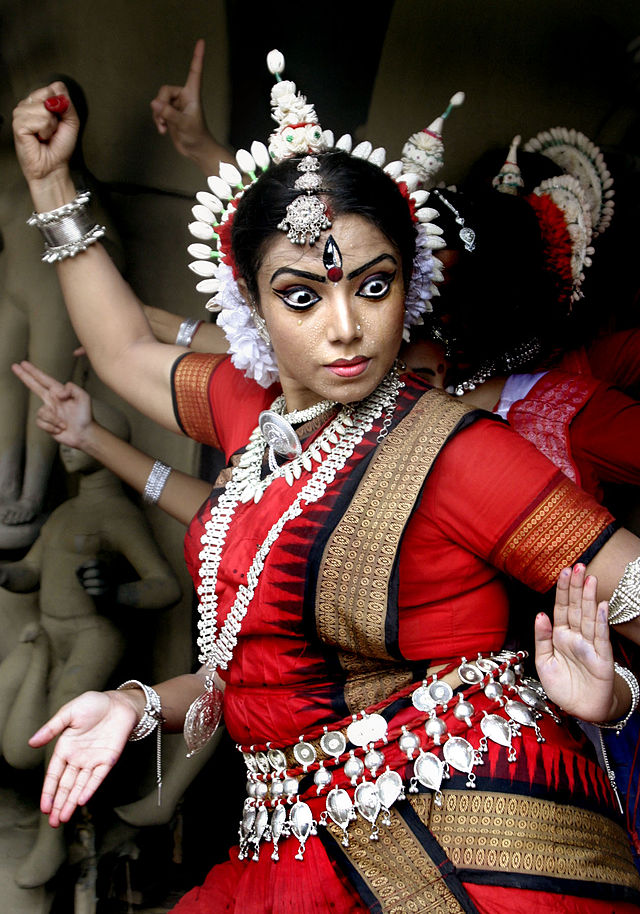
[
  {"x": 191, "y": 377},
  {"x": 528, "y": 836},
  {"x": 482, "y": 831},
  {"x": 396, "y": 869},
  {"x": 358, "y": 559}
]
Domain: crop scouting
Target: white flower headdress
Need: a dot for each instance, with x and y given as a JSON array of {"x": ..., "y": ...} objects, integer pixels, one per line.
[{"x": 298, "y": 134}]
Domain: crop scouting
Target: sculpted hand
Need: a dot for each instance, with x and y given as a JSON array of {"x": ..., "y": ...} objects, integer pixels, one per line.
[
  {"x": 574, "y": 658},
  {"x": 44, "y": 139},
  {"x": 177, "y": 110},
  {"x": 93, "y": 730},
  {"x": 66, "y": 408}
]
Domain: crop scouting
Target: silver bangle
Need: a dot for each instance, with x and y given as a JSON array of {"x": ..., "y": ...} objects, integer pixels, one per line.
[
  {"x": 624, "y": 604},
  {"x": 151, "y": 720},
  {"x": 156, "y": 481},
  {"x": 187, "y": 330},
  {"x": 634, "y": 688},
  {"x": 67, "y": 230}
]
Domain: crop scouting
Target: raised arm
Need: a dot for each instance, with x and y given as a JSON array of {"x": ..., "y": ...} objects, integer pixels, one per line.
[
  {"x": 177, "y": 110},
  {"x": 106, "y": 314},
  {"x": 66, "y": 416}
]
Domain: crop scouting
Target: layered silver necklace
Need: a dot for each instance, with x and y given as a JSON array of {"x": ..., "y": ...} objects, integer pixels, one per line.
[{"x": 328, "y": 454}]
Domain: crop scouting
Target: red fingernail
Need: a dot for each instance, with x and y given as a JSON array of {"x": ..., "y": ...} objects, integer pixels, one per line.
[{"x": 57, "y": 104}]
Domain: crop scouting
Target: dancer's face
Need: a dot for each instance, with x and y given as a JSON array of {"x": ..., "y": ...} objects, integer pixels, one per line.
[{"x": 333, "y": 340}]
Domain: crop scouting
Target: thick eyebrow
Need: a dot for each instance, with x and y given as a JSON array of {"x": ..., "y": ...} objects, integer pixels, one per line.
[
  {"x": 301, "y": 273},
  {"x": 371, "y": 263}
]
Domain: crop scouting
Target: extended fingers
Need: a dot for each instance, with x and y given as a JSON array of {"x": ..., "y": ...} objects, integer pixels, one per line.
[
  {"x": 576, "y": 597},
  {"x": 561, "y": 605},
  {"x": 194, "y": 77}
]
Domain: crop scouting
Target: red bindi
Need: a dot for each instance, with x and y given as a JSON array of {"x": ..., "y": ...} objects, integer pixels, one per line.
[{"x": 334, "y": 274}]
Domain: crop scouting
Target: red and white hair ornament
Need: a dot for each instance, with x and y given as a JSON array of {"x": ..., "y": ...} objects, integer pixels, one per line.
[
  {"x": 298, "y": 134},
  {"x": 423, "y": 153}
]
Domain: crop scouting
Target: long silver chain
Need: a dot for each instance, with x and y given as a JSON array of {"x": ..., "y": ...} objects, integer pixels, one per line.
[{"x": 344, "y": 432}]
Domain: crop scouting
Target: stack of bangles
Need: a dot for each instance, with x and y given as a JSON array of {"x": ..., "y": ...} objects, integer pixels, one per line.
[
  {"x": 67, "y": 230},
  {"x": 151, "y": 720},
  {"x": 624, "y": 605}
]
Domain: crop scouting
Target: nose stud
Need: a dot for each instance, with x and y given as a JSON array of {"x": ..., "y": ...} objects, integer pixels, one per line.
[{"x": 358, "y": 328}]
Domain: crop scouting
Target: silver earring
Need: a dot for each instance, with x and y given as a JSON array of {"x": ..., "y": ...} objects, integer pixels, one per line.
[{"x": 261, "y": 325}]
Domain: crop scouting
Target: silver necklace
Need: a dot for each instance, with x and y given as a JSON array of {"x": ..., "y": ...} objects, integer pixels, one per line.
[
  {"x": 277, "y": 429},
  {"x": 329, "y": 453},
  {"x": 507, "y": 363}
]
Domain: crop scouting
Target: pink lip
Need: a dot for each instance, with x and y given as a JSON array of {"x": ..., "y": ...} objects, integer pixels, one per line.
[{"x": 349, "y": 368}]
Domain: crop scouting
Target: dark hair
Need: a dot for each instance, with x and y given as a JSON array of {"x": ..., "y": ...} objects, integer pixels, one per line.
[
  {"x": 500, "y": 296},
  {"x": 353, "y": 186}
]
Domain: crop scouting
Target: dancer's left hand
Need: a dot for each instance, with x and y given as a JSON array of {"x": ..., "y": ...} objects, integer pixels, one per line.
[{"x": 574, "y": 658}]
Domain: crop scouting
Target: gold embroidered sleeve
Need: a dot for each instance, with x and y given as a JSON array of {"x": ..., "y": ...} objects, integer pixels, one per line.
[
  {"x": 559, "y": 529},
  {"x": 190, "y": 384}
]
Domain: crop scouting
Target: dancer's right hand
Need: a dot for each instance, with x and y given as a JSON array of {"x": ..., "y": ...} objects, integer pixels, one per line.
[
  {"x": 92, "y": 731},
  {"x": 44, "y": 140}
]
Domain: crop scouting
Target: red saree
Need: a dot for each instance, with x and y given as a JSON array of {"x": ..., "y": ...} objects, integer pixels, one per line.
[{"x": 382, "y": 578}]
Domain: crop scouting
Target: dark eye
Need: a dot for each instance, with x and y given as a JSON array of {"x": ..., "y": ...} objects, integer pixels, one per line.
[
  {"x": 376, "y": 286},
  {"x": 300, "y": 298}
]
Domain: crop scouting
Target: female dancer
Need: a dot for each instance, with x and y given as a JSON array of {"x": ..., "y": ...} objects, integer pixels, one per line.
[{"x": 352, "y": 604}]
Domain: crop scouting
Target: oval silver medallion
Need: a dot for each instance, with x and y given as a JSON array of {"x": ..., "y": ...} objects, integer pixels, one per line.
[
  {"x": 304, "y": 754},
  {"x": 333, "y": 744},
  {"x": 421, "y": 700},
  {"x": 368, "y": 729}
]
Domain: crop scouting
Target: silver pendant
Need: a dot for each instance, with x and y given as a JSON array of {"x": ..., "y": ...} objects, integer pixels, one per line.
[
  {"x": 369, "y": 729},
  {"x": 390, "y": 788},
  {"x": 278, "y": 826},
  {"x": 304, "y": 754},
  {"x": 469, "y": 673},
  {"x": 367, "y": 802},
  {"x": 429, "y": 770},
  {"x": 459, "y": 753},
  {"x": 421, "y": 699},
  {"x": 277, "y": 759},
  {"x": 279, "y": 434},
  {"x": 353, "y": 767},
  {"x": 496, "y": 729},
  {"x": 333, "y": 743},
  {"x": 440, "y": 692},
  {"x": 340, "y": 810},
  {"x": 301, "y": 824},
  {"x": 409, "y": 743},
  {"x": 202, "y": 720},
  {"x": 486, "y": 664}
]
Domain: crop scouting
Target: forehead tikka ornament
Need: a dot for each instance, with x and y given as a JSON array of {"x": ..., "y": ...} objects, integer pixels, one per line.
[
  {"x": 306, "y": 216},
  {"x": 332, "y": 260},
  {"x": 298, "y": 134}
]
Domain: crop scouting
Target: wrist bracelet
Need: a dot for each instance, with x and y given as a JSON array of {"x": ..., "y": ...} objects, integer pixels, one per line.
[
  {"x": 151, "y": 720},
  {"x": 634, "y": 688},
  {"x": 187, "y": 330},
  {"x": 67, "y": 230},
  {"x": 156, "y": 481},
  {"x": 624, "y": 604}
]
